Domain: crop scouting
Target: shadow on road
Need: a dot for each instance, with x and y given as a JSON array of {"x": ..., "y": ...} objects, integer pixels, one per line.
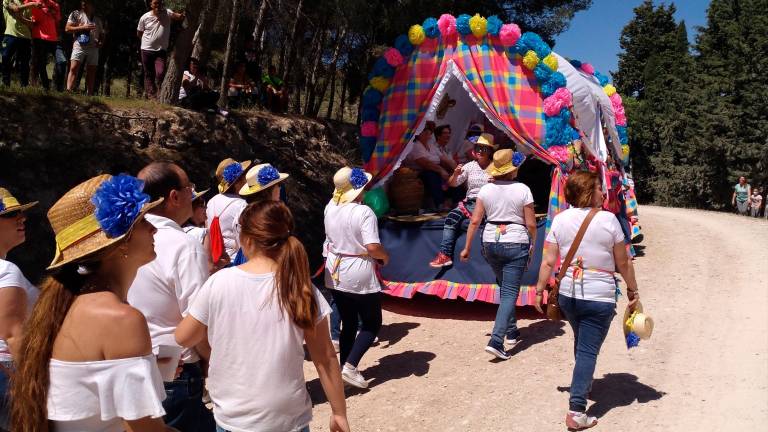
[
  {"x": 391, "y": 334},
  {"x": 615, "y": 390},
  {"x": 538, "y": 332}
]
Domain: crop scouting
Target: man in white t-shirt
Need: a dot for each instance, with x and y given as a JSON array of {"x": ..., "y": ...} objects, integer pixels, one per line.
[
  {"x": 165, "y": 288},
  {"x": 154, "y": 30}
]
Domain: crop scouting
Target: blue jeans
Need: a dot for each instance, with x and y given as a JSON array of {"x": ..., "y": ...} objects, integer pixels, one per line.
[
  {"x": 590, "y": 321},
  {"x": 221, "y": 429},
  {"x": 183, "y": 404},
  {"x": 5, "y": 395},
  {"x": 508, "y": 263},
  {"x": 16, "y": 50},
  {"x": 452, "y": 228}
]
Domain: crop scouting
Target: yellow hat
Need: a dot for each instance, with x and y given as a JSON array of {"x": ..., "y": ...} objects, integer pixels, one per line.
[
  {"x": 486, "y": 139},
  {"x": 96, "y": 214},
  {"x": 196, "y": 194},
  {"x": 260, "y": 177},
  {"x": 504, "y": 162},
  {"x": 8, "y": 203},
  {"x": 229, "y": 171},
  {"x": 350, "y": 183}
]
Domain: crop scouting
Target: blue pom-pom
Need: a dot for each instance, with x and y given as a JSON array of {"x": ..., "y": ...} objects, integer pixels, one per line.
[
  {"x": 520, "y": 47},
  {"x": 574, "y": 133},
  {"x": 473, "y": 139},
  {"x": 462, "y": 24},
  {"x": 533, "y": 41},
  {"x": 370, "y": 114},
  {"x": 118, "y": 203},
  {"x": 556, "y": 80},
  {"x": 602, "y": 79},
  {"x": 232, "y": 172},
  {"x": 430, "y": 28},
  {"x": 576, "y": 63},
  {"x": 404, "y": 45},
  {"x": 565, "y": 114},
  {"x": 633, "y": 340},
  {"x": 267, "y": 175},
  {"x": 542, "y": 72},
  {"x": 367, "y": 145},
  {"x": 494, "y": 25},
  {"x": 372, "y": 98},
  {"x": 382, "y": 68},
  {"x": 556, "y": 131},
  {"x": 357, "y": 178},
  {"x": 622, "y": 131},
  {"x": 518, "y": 159}
]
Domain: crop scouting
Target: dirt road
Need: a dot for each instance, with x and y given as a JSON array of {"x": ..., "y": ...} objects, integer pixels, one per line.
[{"x": 703, "y": 279}]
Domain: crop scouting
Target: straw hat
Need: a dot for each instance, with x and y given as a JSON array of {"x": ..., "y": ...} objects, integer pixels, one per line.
[
  {"x": 96, "y": 214},
  {"x": 486, "y": 139},
  {"x": 349, "y": 182},
  {"x": 260, "y": 177},
  {"x": 8, "y": 203},
  {"x": 196, "y": 194},
  {"x": 229, "y": 171},
  {"x": 638, "y": 322},
  {"x": 504, "y": 162}
]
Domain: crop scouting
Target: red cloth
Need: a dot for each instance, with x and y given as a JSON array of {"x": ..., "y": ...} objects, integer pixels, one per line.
[
  {"x": 46, "y": 18},
  {"x": 217, "y": 239}
]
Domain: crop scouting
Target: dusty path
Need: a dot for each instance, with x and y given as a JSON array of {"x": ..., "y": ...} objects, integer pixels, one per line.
[{"x": 703, "y": 279}]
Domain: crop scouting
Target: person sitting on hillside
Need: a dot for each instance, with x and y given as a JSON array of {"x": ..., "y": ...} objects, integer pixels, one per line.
[
  {"x": 241, "y": 88},
  {"x": 195, "y": 92},
  {"x": 275, "y": 92}
]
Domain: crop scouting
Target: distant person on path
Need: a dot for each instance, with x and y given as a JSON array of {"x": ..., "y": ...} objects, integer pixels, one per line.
[
  {"x": 88, "y": 32},
  {"x": 17, "y": 41},
  {"x": 354, "y": 252},
  {"x": 275, "y": 92},
  {"x": 507, "y": 239},
  {"x": 256, "y": 317},
  {"x": 588, "y": 291},
  {"x": 755, "y": 202},
  {"x": 45, "y": 40},
  {"x": 741, "y": 194},
  {"x": 154, "y": 30}
]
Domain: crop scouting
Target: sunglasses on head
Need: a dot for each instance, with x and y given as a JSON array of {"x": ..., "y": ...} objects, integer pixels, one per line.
[{"x": 11, "y": 214}]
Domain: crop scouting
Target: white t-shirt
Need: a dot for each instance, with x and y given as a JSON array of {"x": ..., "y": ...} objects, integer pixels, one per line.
[
  {"x": 157, "y": 31},
  {"x": 256, "y": 374},
  {"x": 79, "y": 18},
  {"x": 432, "y": 153},
  {"x": 164, "y": 289},
  {"x": 348, "y": 228},
  {"x": 475, "y": 177},
  {"x": 11, "y": 276},
  {"x": 504, "y": 202},
  {"x": 596, "y": 251},
  {"x": 198, "y": 233},
  {"x": 228, "y": 208}
]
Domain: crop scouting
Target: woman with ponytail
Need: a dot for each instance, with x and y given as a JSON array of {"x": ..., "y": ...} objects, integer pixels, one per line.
[
  {"x": 85, "y": 362},
  {"x": 255, "y": 317}
]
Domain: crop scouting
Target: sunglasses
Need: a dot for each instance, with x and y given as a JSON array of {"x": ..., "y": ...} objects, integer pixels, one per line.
[
  {"x": 11, "y": 214},
  {"x": 482, "y": 149}
]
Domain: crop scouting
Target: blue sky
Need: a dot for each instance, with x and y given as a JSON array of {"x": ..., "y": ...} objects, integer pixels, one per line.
[{"x": 594, "y": 34}]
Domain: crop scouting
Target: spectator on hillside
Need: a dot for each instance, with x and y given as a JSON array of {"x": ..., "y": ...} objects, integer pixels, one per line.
[
  {"x": 45, "y": 39},
  {"x": 241, "y": 88},
  {"x": 741, "y": 193},
  {"x": 88, "y": 32},
  {"x": 17, "y": 41},
  {"x": 275, "y": 92},
  {"x": 195, "y": 92},
  {"x": 154, "y": 30},
  {"x": 755, "y": 202}
]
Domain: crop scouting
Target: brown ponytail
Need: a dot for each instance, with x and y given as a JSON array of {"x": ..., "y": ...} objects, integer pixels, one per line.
[
  {"x": 29, "y": 383},
  {"x": 269, "y": 225}
]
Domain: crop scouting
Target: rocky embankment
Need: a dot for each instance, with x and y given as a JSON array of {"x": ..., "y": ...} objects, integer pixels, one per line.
[{"x": 48, "y": 144}]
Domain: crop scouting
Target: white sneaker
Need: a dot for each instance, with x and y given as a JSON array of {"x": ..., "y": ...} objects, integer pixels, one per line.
[
  {"x": 511, "y": 342},
  {"x": 575, "y": 421},
  {"x": 353, "y": 377},
  {"x": 335, "y": 345}
]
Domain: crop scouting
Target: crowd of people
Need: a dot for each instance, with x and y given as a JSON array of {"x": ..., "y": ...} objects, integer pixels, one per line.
[{"x": 748, "y": 200}]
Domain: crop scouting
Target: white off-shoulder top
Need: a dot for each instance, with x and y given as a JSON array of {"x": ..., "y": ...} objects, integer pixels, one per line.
[{"x": 98, "y": 395}]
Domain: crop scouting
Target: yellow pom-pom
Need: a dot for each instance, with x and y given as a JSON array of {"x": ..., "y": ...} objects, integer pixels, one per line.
[
  {"x": 379, "y": 83},
  {"x": 478, "y": 25},
  {"x": 530, "y": 60},
  {"x": 416, "y": 34},
  {"x": 624, "y": 151},
  {"x": 609, "y": 89},
  {"x": 551, "y": 61}
]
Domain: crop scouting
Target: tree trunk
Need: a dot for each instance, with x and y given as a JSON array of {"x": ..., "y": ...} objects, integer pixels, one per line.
[
  {"x": 169, "y": 92},
  {"x": 234, "y": 20},
  {"x": 342, "y": 99},
  {"x": 332, "y": 70},
  {"x": 312, "y": 79},
  {"x": 287, "y": 63},
  {"x": 329, "y": 111},
  {"x": 258, "y": 26},
  {"x": 202, "y": 49}
]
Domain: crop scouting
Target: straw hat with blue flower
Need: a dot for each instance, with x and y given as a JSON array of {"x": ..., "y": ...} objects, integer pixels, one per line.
[
  {"x": 261, "y": 177},
  {"x": 229, "y": 172},
  {"x": 505, "y": 162},
  {"x": 349, "y": 183},
  {"x": 95, "y": 215},
  {"x": 9, "y": 204}
]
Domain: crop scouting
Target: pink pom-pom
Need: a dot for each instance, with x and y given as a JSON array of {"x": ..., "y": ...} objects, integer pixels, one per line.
[
  {"x": 509, "y": 34},
  {"x": 621, "y": 118},
  {"x": 369, "y": 129},
  {"x": 560, "y": 153},
  {"x": 588, "y": 68},
  {"x": 616, "y": 99},
  {"x": 560, "y": 99},
  {"x": 393, "y": 57},
  {"x": 447, "y": 25}
]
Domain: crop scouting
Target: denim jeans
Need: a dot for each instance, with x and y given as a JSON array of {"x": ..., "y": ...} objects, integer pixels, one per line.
[
  {"x": 16, "y": 50},
  {"x": 354, "y": 307},
  {"x": 590, "y": 321},
  {"x": 5, "y": 395},
  {"x": 304, "y": 429},
  {"x": 508, "y": 263},
  {"x": 183, "y": 404},
  {"x": 154, "y": 70},
  {"x": 452, "y": 228},
  {"x": 43, "y": 49}
]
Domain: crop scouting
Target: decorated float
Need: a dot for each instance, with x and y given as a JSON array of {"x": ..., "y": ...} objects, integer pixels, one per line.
[{"x": 470, "y": 69}]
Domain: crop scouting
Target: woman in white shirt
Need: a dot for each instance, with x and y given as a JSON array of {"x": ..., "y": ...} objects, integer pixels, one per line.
[
  {"x": 588, "y": 299},
  {"x": 86, "y": 360},
  {"x": 434, "y": 165},
  {"x": 354, "y": 250},
  {"x": 17, "y": 295},
  {"x": 507, "y": 238},
  {"x": 255, "y": 317}
]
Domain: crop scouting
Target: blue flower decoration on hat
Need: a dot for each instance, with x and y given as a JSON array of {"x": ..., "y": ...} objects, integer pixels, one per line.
[
  {"x": 357, "y": 178},
  {"x": 473, "y": 139},
  {"x": 118, "y": 202},
  {"x": 232, "y": 172},
  {"x": 267, "y": 175},
  {"x": 633, "y": 340},
  {"x": 2, "y": 205},
  {"x": 518, "y": 159}
]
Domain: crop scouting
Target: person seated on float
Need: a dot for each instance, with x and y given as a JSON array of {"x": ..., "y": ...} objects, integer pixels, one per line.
[
  {"x": 275, "y": 91},
  {"x": 466, "y": 153},
  {"x": 475, "y": 176},
  {"x": 426, "y": 157},
  {"x": 241, "y": 87}
]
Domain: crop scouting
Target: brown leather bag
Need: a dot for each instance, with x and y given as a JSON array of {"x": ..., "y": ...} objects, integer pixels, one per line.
[{"x": 553, "y": 308}]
